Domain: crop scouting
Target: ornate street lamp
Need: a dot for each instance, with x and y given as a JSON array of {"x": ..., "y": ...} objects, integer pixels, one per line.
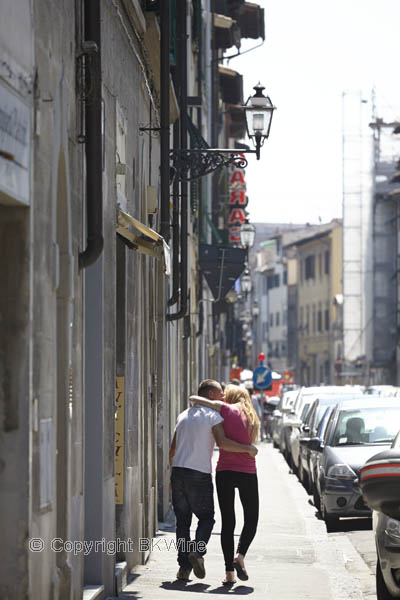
[
  {"x": 247, "y": 234},
  {"x": 193, "y": 163},
  {"x": 259, "y": 110},
  {"x": 245, "y": 282}
]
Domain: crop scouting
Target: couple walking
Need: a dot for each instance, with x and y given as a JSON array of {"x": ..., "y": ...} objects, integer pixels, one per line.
[{"x": 230, "y": 420}]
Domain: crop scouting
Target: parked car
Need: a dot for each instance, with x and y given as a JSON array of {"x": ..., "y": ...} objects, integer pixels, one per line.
[
  {"x": 379, "y": 482},
  {"x": 270, "y": 404},
  {"x": 280, "y": 415},
  {"x": 302, "y": 407},
  {"x": 328, "y": 396},
  {"x": 293, "y": 420},
  {"x": 383, "y": 390},
  {"x": 354, "y": 430}
]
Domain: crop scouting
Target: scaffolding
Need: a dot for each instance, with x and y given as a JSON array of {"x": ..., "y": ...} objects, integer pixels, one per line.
[
  {"x": 357, "y": 255},
  {"x": 370, "y": 154}
]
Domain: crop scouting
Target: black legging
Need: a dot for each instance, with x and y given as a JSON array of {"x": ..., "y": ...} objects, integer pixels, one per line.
[{"x": 247, "y": 485}]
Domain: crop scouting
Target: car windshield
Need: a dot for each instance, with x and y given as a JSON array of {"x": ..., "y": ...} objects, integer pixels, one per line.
[
  {"x": 367, "y": 425},
  {"x": 321, "y": 408}
]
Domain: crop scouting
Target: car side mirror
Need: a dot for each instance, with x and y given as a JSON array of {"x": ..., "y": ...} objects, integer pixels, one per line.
[
  {"x": 316, "y": 444},
  {"x": 304, "y": 441},
  {"x": 305, "y": 428}
]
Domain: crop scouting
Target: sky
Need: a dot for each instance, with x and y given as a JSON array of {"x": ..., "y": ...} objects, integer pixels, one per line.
[{"x": 314, "y": 51}]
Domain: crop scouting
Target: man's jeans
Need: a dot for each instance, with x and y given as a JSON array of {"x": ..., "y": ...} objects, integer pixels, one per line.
[{"x": 192, "y": 492}]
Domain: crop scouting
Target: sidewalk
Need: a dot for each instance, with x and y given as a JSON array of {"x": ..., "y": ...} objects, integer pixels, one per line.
[{"x": 291, "y": 557}]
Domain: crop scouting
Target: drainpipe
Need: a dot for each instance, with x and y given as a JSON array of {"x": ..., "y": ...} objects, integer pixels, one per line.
[
  {"x": 164, "y": 115},
  {"x": 175, "y": 230},
  {"x": 181, "y": 11},
  {"x": 93, "y": 145}
]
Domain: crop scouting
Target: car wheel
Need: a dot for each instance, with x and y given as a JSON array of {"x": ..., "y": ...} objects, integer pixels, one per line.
[
  {"x": 382, "y": 593},
  {"x": 330, "y": 522}
]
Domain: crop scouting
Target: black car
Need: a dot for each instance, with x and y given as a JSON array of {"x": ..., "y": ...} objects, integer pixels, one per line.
[{"x": 352, "y": 432}]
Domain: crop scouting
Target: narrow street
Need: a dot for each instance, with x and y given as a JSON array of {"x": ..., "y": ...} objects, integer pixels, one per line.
[{"x": 291, "y": 557}]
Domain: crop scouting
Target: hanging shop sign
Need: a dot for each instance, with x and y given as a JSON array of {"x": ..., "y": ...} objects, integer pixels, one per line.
[
  {"x": 14, "y": 148},
  {"x": 237, "y": 203}
]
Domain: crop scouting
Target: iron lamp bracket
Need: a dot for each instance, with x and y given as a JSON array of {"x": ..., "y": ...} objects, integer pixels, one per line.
[{"x": 193, "y": 163}]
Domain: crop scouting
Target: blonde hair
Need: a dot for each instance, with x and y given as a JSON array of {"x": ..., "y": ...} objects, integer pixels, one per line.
[{"x": 236, "y": 395}]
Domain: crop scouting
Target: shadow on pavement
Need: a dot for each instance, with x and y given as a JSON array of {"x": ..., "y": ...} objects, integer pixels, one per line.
[
  {"x": 183, "y": 586},
  {"x": 240, "y": 590}
]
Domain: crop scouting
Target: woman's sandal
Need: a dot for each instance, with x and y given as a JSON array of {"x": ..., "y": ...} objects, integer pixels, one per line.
[{"x": 241, "y": 573}]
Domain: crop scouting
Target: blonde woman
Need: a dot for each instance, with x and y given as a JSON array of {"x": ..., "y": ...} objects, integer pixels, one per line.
[{"x": 236, "y": 470}]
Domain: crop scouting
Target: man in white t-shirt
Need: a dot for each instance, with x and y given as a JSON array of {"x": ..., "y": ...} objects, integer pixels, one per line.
[{"x": 197, "y": 429}]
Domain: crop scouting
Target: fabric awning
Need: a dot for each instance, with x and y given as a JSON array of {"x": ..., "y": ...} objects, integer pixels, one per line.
[
  {"x": 221, "y": 266},
  {"x": 146, "y": 241},
  {"x": 251, "y": 21},
  {"x": 231, "y": 84}
]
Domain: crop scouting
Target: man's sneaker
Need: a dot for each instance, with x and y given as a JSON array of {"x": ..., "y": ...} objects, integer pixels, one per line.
[
  {"x": 197, "y": 562},
  {"x": 184, "y": 573}
]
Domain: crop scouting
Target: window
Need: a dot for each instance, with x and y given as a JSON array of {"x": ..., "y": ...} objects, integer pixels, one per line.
[
  {"x": 270, "y": 282},
  {"x": 277, "y": 350},
  {"x": 301, "y": 324},
  {"x": 277, "y": 319},
  {"x": 310, "y": 267},
  {"x": 313, "y": 318},
  {"x": 277, "y": 280},
  {"x": 327, "y": 261},
  {"x": 284, "y": 277},
  {"x": 320, "y": 265},
  {"x": 307, "y": 323},
  {"x": 327, "y": 319},
  {"x": 271, "y": 320},
  {"x": 283, "y": 348}
]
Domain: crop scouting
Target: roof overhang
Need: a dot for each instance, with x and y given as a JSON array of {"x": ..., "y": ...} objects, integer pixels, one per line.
[{"x": 147, "y": 241}]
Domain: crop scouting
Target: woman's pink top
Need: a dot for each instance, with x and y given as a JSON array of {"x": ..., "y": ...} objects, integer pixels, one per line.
[{"x": 235, "y": 428}]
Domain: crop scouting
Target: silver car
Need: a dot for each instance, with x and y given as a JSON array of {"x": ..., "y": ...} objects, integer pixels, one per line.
[
  {"x": 280, "y": 416},
  {"x": 357, "y": 429}
]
